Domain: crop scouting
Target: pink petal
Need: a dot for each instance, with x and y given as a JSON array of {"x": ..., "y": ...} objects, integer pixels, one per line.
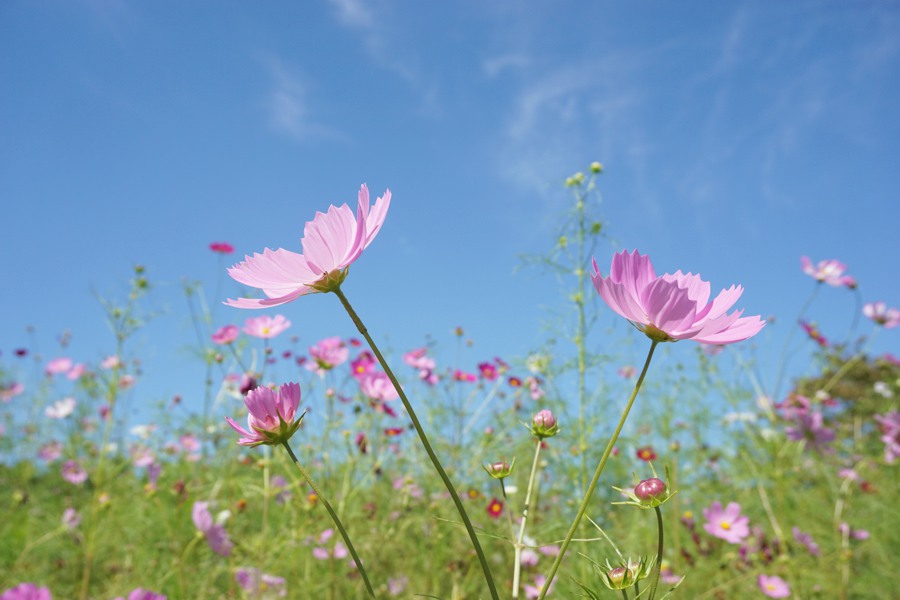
[{"x": 668, "y": 306}]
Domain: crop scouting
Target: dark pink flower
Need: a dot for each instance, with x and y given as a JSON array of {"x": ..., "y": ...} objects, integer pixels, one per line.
[
  {"x": 488, "y": 371},
  {"x": 812, "y": 330},
  {"x": 221, "y": 247},
  {"x": 362, "y": 365},
  {"x": 827, "y": 271},
  {"x": 460, "y": 375},
  {"x": 215, "y": 534},
  {"x": 271, "y": 419},
  {"x": 331, "y": 242},
  {"x": 265, "y": 326},
  {"x": 773, "y": 586},
  {"x": 727, "y": 524},
  {"x": 672, "y": 307},
  {"x": 225, "y": 334},
  {"x": 26, "y": 591}
]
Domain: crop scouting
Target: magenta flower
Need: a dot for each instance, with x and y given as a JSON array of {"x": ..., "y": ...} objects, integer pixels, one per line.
[
  {"x": 271, "y": 419},
  {"x": 488, "y": 371},
  {"x": 73, "y": 473},
  {"x": 812, "y": 330},
  {"x": 773, "y": 586},
  {"x": 727, "y": 524},
  {"x": 827, "y": 271},
  {"x": 266, "y": 327},
  {"x": 215, "y": 534},
  {"x": 260, "y": 585},
  {"x": 809, "y": 427},
  {"x": 327, "y": 354},
  {"x": 331, "y": 242},
  {"x": 807, "y": 540},
  {"x": 225, "y": 334},
  {"x": 881, "y": 314},
  {"x": 362, "y": 365},
  {"x": 142, "y": 594},
  {"x": 856, "y": 534},
  {"x": 26, "y": 591},
  {"x": 673, "y": 306},
  {"x": 221, "y": 247}
]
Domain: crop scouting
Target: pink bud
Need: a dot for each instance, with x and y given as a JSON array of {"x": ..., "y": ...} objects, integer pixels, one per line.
[{"x": 650, "y": 489}]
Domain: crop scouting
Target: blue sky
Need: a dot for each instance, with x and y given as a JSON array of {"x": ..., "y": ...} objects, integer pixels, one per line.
[{"x": 736, "y": 137}]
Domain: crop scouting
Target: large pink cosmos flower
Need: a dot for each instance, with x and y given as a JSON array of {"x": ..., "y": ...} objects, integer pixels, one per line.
[
  {"x": 271, "y": 419},
  {"x": 331, "y": 242},
  {"x": 727, "y": 524},
  {"x": 673, "y": 306},
  {"x": 773, "y": 586}
]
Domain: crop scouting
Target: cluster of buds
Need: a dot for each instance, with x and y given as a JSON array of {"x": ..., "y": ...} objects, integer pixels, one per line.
[
  {"x": 648, "y": 493},
  {"x": 500, "y": 469},
  {"x": 544, "y": 425}
]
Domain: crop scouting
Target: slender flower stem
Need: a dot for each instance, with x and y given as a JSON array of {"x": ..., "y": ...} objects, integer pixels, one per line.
[
  {"x": 517, "y": 568},
  {"x": 334, "y": 517},
  {"x": 657, "y": 569},
  {"x": 790, "y": 336},
  {"x": 590, "y": 491},
  {"x": 425, "y": 443}
]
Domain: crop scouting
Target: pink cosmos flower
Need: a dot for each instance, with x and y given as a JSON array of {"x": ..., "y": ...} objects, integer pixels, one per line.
[
  {"x": 488, "y": 371},
  {"x": 726, "y": 524},
  {"x": 215, "y": 534},
  {"x": 221, "y": 247},
  {"x": 397, "y": 585},
  {"x": 11, "y": 390},
  {"x": 71, "y": 518},
  {"x": 856, "y": 534},
  {"x": 58, "y": 365},
  {"x": 327, "y": 354},
  {"x": 265, "y": 326},
  {"x": 881, "y": 314},
  {"x": 672, "y": 307},
  {"x": 890, "y": 429},
  {"x": 50, "y": 451},
  {"x": 627, "y": 372},
  {"x": 331, "y": 242},
  {"x": 271, "y": 419},
  {"x": 378, "y": 387},
  {"x": 807, "y": 540},
  {"x": 142, "y": 594},
  {"x": 111, "y": 362},
  {"x": 75, "y": 372},
  {"x": 773, "y": 586},
  {"x": 827, "y": 271},
  {"x": 73, "y": 473},
  {"x": 534, "y": 591},
  {"x": 460, "y": 375},
  {"x": 225, "y": 335},
  {"x": 812, "y": 330},
  {"x": 418, "y": 359},
  {"x": 26, "y": 591},
  {"x": 260, "y": 585},
  {"x": 810, "y": 428},
  {"x": 362, "y": 365}
]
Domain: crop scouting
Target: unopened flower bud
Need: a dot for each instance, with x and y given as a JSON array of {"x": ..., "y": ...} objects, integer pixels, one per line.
[
  {"x": 649, "y": 490},
  {"x": 499, "y": 469},
  {"x": 544, "y": 425},
  {"x": 617, "y": 575},
  {"x": 596, "y": 167}
]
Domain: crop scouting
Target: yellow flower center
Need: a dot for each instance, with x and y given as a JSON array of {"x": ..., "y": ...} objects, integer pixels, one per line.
[
  {"x": 265, "y": 330},
  {"x": 725, "y": 525}
]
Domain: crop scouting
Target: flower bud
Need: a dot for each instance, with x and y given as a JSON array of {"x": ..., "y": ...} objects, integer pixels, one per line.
[
  {"x": 499, "y": 469},
  {"x": 543, "y": 424},
  {"x": 596, "y": 167},
  {"x": 617, "y": 576},
  {"x": 649, "y": 490}
]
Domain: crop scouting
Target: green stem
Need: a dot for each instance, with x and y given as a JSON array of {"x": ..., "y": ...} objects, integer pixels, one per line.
[
  {"x": 425, "y": 443},
  {"x": 334, "y": 517},
  {"x": 590, "y": 491},
  {"x": 517, "y": 569},
  {"x": 659, "y": 554}
]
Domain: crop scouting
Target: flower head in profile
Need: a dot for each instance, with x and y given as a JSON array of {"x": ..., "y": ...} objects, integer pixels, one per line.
[
  {"x": 272, "y": 415},
  {"x": 331, "y": 242},
  {"x": 672, "y": 307},
  {"x": 266, "y": 327},
  {"x": 215, "y": 534},
  {"x": 727, "y": 524},
  {"x": 225, "y": 334},
  {"x": 827, "y": 271},
  {"x": 26, "y": 591},
  {"x": 773, "y": 586},
  {"x": 882, "y": 315}
]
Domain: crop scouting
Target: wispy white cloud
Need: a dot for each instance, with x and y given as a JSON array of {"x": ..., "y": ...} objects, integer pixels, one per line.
[
  {"x": 288, "y": 107},
  {"x": 506, "y": 62}
]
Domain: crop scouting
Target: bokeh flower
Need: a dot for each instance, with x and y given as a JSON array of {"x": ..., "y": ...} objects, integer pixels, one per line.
[
  {"x": 266, "y": 327},
  {"x": 672, "y": 307},
  {"x": 225, "y": 334},
  {"x": 809, "y": 428},
  {"x": 882, "y": 315},
  {"x": 495, "y": 508},
  {"x": 61, "y": 408},
  {"x": 827, "y": 271},
  {"x": 727, "y": 524},
  {"x": 26, "y": 591},
  {"x": 215, "y": 534},
  {"x": 74, "y": 473},
  {"x": 271, "y": 419},
  {"x": 142, "y": 594},
  {"x": 327, "y": 354},
  {"x": 260, "y": 585},
  {"x": 331, "y": 242},
  {"x": 221, "y": 247},
  {"x": 807, "y": 540},
  {"x": 646, "y": 453},
  {"x": 377, "y": 386},
  {"x": 57, "y": 366},
  {"x": 773, "y": 586},
  {"x": 890, "y": 429}
]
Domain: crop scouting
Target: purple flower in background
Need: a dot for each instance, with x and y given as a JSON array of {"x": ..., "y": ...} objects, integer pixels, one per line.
[
  {"x": 810, "y": 429},
  {"x": 856, "y": 534},
  {"x": 73, "y": 473},
  {"x": 397, "y": 585},
  {"x": 142, "y": 594},
  {"x": 71, "y": 518},
  {"x": 225, "y": 334},
  {"x": 890, "y": 429},
  {"x": 260, "y": 585},
  {"x": 882, "y": 315},
  {"x": 672, "y": 307},
  {"x": 26, "y": 591},
  {"x": 327, "y": 354},
  {"x": 215, "y": 534},
  {"x": 806, "y": 540},
  {"x": 282, "y": 491},
  {"x": 727, "y": 524}
]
